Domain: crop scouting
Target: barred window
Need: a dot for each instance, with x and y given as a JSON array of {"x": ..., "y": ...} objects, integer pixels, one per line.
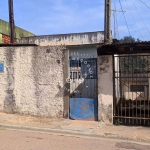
[{"x": 137, "y": 88}]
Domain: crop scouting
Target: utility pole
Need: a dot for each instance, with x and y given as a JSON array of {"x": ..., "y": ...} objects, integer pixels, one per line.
[
  {"x": 11, "y": 21},
  {"x": 107, "y": 23}
]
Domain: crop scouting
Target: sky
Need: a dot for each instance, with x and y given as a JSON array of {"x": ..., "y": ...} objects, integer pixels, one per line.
[{"x": 45, "y": 17}]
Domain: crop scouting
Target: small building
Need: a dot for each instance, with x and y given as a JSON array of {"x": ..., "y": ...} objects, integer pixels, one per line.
[
  {"x": 124, "y": 86},
  {"x": 5, "y": 32},
  {"x": 81, "y": 70},
  {"x": 51, "y": 76},
  {"x": 80, "y": 81}
]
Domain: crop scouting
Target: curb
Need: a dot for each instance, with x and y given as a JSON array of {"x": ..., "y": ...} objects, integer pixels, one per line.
[{"x": 62, "y": 132}]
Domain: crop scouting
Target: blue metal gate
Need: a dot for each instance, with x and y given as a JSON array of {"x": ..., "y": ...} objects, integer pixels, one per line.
[{"x": 83, "y": 88}]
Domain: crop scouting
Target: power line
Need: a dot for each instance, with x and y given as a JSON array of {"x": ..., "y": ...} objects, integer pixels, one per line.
[
  {"x": 115, "y": 23},
  {"x": 125, "y": 18},
  {"x": 144, "y": 4},
  {"x": 116, "y": 31},
  {"x": 140, "y": 16},
  {"x": 117, "y": 27},
  {"x": 133, "y": 19}
]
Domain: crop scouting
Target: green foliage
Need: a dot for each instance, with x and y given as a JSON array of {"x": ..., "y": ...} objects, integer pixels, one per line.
[
  {"x": 118, "y": 122},
  {"x": 131, "y": 64},
  {"x": 129, "y": 39}
]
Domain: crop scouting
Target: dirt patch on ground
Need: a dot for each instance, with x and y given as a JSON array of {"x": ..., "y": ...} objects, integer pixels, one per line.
[
  {"x": 136, "y": 133},
  {"x": 24, "y": 119},
  {"x": 85, "y": 124}
]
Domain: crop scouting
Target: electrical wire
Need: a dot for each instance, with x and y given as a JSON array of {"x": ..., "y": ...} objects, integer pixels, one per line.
[
  {"x": 125, "y": 19},
  {"x": 113, "y": 16},
  {"x": 144, "y": 4},
  {"x": 133, "y": 18},
  {"x": 115, "y": 20},
  {"x": 140, "y": 16},
  {"x": 117, "y": 27}
]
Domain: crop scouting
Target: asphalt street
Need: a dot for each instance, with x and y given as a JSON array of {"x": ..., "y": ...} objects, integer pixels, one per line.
[{"x": 28, "y": 140}]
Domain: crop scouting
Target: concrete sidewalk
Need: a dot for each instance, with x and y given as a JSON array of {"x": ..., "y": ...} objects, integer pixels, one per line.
[{"x": 74, "y": 127}]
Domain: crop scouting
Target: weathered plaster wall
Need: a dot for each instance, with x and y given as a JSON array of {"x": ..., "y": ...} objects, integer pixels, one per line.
[
  {"x": 84, "y": 51},
  {"x": 66, "y": 39},
  {"x": 32, "y": 82},
  {"x": 105, "y": 89}
]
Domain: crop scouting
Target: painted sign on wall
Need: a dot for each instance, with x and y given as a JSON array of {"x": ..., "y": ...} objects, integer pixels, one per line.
[{"x": 1, "y": 67}]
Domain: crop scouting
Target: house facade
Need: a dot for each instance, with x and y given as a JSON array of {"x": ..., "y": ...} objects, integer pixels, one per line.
[
  {"x": 73, "y": 81},
  {"x": 52, "y": 81}
]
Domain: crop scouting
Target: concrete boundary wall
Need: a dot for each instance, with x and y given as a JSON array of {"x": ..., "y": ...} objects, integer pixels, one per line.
[
  {"x": 105, "y": 89},
  {"x": 32, "y": 81},
  {"x": 66, "y": 39}
]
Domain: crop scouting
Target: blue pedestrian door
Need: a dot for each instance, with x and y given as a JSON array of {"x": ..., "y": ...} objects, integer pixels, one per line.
[{"x": 83, "y": 88}]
